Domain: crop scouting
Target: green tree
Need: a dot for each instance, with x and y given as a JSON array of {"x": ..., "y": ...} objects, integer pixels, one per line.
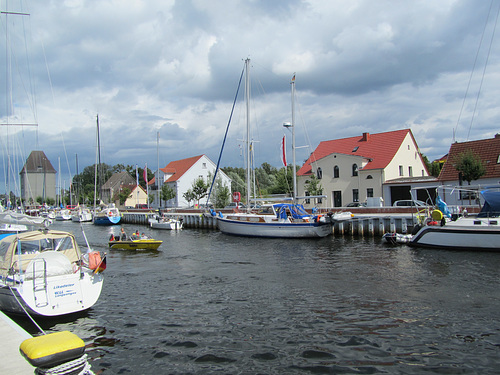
[
  {"x": 189, "y": 196},
  {"x": 199, "y": 189},
  {"x": 470, "y": 166},
  {"x": 123, "y": 195},
  {"x": 220, "y": 194},
  {"x": 39, "y": 199},
  {"x": 166, "y": 193}
]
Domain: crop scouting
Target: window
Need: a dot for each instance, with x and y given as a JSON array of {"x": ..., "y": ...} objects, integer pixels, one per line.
[
  {"x": 401, "y": 170},
  {"x": 355, "y": 195},
  {"x": 307, "y": 200},
  {"x": 369, "y": 193},
  {"x": 204, "y": 165},
  {"x": 410, "y": 171},
  {"x": 336, "y": 172},
  {"x": 319, "y": 174},
  {"x": 369, "y": 177},
  {"x": 354, "y": 170},
  {"x": 355, "y": 149}
]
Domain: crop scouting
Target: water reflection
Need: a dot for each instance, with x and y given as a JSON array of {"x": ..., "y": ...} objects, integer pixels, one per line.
[{"x": 208, "y": 302}]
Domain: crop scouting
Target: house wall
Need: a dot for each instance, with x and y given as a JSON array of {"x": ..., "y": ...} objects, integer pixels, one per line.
[
  {"x": 137, "y": 196},
  {"x": 204, "y": 168},
  {"x": 35, "y": 185},
  {"x": 407, "y": 156}
]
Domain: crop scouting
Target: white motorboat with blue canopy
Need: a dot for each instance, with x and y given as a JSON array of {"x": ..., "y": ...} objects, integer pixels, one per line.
[{"x": 471, "y": 232}]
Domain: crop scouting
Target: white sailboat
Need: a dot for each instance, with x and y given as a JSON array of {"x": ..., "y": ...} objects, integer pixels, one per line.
[{"x": 284, "y": 220}]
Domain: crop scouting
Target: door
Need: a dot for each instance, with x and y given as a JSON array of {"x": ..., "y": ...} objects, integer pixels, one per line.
[{"x": 337, "y": 198}]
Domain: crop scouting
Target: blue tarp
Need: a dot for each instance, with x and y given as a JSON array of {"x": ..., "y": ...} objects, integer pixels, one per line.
[
  {"x": 297, "y": 211},
  {"x": 491, "y": 207}
]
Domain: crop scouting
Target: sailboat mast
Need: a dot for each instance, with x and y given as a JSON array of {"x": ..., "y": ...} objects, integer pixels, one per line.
[
  {"x": 294, "y": 172},
  {"x": 247, "y": 95}
]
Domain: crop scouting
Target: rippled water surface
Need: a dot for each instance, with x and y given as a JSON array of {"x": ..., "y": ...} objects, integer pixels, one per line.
[{"x": 211, "y": 303}]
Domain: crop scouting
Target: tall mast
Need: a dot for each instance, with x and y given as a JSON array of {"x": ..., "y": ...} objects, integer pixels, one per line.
[
  {"x": 247, "y": 94},
  {"x": 294, "y": 172}
]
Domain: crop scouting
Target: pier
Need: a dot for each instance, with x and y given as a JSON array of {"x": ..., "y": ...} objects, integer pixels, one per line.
[{"x": 363, "y": 225}]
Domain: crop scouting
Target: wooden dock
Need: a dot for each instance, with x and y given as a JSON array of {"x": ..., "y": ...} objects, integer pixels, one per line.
[
  {"x": 363, "y": 225},
  {"x": 12, "y": 336}
]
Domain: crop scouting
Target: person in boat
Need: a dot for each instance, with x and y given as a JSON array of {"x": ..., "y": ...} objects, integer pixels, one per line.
[{"x": 123, "y": 235}]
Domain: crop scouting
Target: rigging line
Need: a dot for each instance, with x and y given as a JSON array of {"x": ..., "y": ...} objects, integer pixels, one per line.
[
  {"x": 484, "y": 72},
  {"x": 225, "y": 136},
  {"x": 472, "y": 71}
]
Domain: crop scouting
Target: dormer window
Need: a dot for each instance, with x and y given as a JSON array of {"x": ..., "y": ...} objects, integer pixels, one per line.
[{"x": 355, "y": 149}]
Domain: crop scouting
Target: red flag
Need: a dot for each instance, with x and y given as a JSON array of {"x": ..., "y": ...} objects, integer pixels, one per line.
[
  {"x": 283, "y": 151},
  {"x": 145, "y": 174}
]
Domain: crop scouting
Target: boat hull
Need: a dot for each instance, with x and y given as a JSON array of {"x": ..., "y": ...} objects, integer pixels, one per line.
[
  {"x": 107, "y": 220},
  {"x": 61, "y": 295},
  {"x": 458, "y": 238},
  {"x": 277, "y": 229},
  {"x": 167, "y": 224},
  {"x": 147, "y": 244}
]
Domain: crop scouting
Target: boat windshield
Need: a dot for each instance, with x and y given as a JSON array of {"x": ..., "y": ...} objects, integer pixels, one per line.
[{"x": 44, "y": 244}]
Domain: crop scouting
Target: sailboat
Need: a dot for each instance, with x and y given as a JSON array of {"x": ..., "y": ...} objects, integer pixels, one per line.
[
  {"x": 108, "y": 215},
  {"x": 283, "y": 220}
]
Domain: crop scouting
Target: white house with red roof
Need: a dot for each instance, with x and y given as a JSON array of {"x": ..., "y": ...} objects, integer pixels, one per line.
[
  {"x": 181, "y": 174},
  {"x": 354, "y": 169}
]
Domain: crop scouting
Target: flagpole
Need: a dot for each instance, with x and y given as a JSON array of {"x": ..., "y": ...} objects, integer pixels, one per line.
[{"x": 147, "y": 186}]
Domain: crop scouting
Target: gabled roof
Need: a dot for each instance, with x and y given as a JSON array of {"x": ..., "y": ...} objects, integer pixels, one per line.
[
  {"x": 179, "y": 167},
  {"x": 488, "y": 150},
  {"x": 37, "y": 162},
  {"x": 380, "y": 148},
  {"x": 120, "y": 178}
]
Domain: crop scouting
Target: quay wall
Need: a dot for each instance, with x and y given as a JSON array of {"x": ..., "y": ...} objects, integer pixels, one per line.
[{"x": 365, "y": 225}]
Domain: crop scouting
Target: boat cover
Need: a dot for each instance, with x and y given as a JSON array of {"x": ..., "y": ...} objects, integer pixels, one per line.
[
  {"x": 491, "y": 207},
  {"x": 297, "y": 211}
]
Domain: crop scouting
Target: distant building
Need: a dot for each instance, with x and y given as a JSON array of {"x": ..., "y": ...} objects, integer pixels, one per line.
[
  {"x": 181, "y": 174},
  {"x": 114, "y": 185},
  {"x": 488, "y": 151},
  {"x": 355, "y": 169},
  {"x": 138, "y": 196},
  {"x": 38, "y": 178}
]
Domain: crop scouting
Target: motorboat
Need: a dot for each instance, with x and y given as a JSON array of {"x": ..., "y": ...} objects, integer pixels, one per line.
[
  {"x": 63, "y": 215},
  {"x": 44, "y": 273},
  {"x": 165, "y": 222},
  {"x": 134, "y": 242},
  {"x": 108, "y": 216},
  {"x": 466, "y": 232},
  {"x": 81, "y": 214}
]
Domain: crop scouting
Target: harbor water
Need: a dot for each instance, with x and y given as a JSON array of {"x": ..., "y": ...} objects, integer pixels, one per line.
[{"x": 208, "y": 303}]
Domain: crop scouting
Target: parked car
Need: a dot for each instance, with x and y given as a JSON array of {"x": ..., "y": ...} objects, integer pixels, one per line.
[
  {"x": 356, "y": 204},
  {"x": 409, "y": 203},
  {"x": 234, "y": 205},
  {"x": 141, "y": 206}
]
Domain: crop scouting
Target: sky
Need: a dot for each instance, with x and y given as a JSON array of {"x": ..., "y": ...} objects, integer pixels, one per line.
[{"x": 162, "y": 77}]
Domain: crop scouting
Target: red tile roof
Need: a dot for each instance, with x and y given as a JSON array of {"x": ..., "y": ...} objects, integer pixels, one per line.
[
  {"x": 179, "y": 167},
  {"x": 488, "y": 151},
  {"x": 380, "y": 147}
]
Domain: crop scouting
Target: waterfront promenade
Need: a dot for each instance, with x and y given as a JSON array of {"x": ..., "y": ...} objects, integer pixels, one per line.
[{"x": 12, "y": 336}]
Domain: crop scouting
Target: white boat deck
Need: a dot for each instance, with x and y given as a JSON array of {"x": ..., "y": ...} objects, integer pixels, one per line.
[{"x": 12, "y": 336}]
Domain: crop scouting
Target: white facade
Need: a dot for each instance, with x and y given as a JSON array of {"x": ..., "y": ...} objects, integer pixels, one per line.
[
  {"x": 202, "y": 168},
  {"x": 347, "y": 178}
]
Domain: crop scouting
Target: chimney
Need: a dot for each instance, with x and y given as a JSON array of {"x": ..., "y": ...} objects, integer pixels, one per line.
[{"x": 366, "y": 137}]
